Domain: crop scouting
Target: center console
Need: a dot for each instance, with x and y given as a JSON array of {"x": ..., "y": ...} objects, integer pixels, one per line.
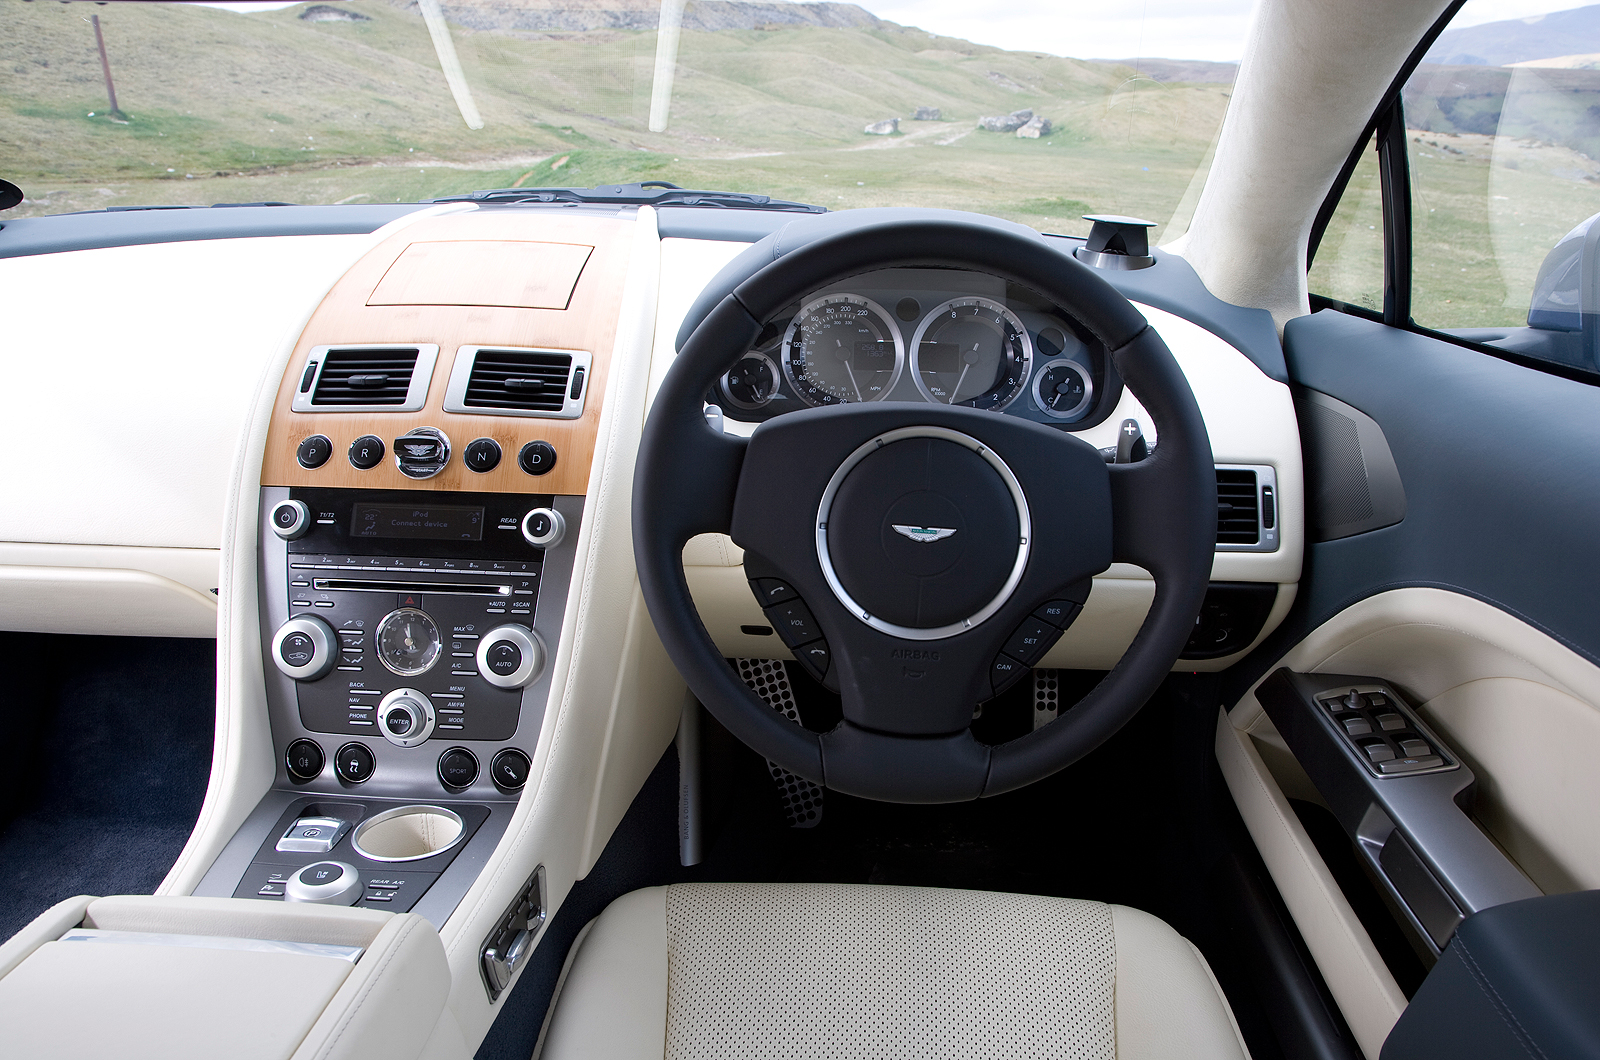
[{"x": 407, "y": 638}]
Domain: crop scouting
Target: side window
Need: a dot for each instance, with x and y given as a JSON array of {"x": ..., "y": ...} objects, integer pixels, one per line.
[
  {"x": 1503, "y": 138},
  {"x": 1349, "y": 263}
]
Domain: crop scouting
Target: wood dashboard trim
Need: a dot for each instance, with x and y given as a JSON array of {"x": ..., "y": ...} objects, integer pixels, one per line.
[{"x": 344, "y": 318}]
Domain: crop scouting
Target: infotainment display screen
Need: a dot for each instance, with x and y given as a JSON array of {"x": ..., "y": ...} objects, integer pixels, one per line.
[{"x": 433, "y": 522}]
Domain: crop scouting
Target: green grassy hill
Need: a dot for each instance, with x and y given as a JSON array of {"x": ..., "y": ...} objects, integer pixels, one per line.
[{"x": 224, "y": 107}]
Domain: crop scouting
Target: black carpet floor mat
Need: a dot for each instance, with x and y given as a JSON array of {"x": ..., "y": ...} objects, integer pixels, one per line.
[{"x": 108, "y": 754}]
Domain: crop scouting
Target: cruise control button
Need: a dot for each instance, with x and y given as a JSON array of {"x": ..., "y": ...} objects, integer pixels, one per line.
[
  {"x": 794, "y": 623},
  {"x": 1059, "y": 613},
  {"x": 1004, "y": 672},
  {"x": 772, "y": 591},
  {"x": 815, "y": 657},
  {"x": 1031, "y": 640}
]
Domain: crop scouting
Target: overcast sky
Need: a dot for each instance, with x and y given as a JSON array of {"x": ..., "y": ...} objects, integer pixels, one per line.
[{"x": 1112, "y": 29}]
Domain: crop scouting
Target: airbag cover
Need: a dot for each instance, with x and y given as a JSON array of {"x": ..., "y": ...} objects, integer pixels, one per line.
[{"x": 923, "y": 533}]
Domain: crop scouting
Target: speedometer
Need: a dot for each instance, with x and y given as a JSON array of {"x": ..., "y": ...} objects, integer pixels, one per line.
[
  {"x": 971, "y": 351},
  {"x": 840, "y": 348}
]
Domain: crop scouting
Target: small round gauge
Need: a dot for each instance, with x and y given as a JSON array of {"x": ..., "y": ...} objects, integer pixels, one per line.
[
  {"x": 408, "y": 642},
  {"x": 1063, "y": 388},
  {"x": 971, "y": 351},
  {"x": 841, "y": 348},
  {"x": 752, "y": 382}
]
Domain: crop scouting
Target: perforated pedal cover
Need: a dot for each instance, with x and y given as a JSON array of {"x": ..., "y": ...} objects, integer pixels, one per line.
[{"x": 802, "y": 800}]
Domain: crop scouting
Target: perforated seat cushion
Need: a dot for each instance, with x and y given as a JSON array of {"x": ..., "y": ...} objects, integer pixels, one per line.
[{"x": 755, "y": 971}]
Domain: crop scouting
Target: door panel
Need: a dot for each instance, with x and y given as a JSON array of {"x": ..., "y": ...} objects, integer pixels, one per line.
[{"x": 1478, "y": 605}]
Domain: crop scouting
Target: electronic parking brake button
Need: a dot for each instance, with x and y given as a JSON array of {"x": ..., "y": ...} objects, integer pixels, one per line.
[
  {"x": 312, "y": 835},
  {"x": 794, "y": 623}
]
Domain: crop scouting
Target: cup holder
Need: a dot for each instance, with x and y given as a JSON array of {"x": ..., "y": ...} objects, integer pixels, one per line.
[{"x": 407, "y": 833}]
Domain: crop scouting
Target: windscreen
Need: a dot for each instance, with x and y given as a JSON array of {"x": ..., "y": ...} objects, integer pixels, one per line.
[{"x": 1033, "y": 110}]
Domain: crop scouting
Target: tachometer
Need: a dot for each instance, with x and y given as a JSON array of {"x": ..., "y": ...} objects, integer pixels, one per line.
[
  {"x": 840, "y": 348},
  {"x": 971, "y": 351}
]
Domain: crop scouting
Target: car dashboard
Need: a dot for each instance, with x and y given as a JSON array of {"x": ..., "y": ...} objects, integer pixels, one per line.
[{"x": 390, "y": 469}]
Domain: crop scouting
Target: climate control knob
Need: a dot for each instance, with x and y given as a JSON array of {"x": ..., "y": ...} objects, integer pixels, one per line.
[
  {"x": 405, "y": 717},
  {"x": 510, "y": 656},
  {"x": 290, "y": 519},
  {"x": 305, "y": 648}
]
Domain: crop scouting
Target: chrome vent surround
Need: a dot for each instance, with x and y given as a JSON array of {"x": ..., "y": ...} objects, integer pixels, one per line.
[
  {"x": 518, "y": 381},
  {"x": 372, "y": 378},
  {"x": 1247, "y": 508}
]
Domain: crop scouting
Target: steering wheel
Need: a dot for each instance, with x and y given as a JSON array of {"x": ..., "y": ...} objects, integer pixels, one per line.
[{"x": 922, "y": 542}]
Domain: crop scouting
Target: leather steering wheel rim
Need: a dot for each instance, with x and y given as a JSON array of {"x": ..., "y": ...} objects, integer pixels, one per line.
[{"x": 1162, "y": 509}]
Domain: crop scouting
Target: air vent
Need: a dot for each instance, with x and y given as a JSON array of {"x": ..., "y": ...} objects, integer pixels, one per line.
[
  {"x": 518, "y": 382},
  {"x": 1238, "y": 509},
  {"x": 366, "y": 378},
  {"x": 1247, "y": 516}
]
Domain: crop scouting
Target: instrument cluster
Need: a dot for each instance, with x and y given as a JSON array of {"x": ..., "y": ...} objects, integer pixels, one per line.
[{"x": 928, "y": 335}]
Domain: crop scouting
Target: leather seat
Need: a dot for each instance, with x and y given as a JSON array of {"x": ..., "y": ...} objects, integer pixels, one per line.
[{"x": 751, "y": 971}]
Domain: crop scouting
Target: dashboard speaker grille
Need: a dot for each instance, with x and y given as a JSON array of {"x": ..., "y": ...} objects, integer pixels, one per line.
[
  {"x": 525, "y": 380},
  {"x": 1238, "y": 508},
  {"x": 365, "y": 377}
]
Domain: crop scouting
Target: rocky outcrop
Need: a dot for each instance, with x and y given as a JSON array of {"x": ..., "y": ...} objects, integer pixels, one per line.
[
  {"x": 886, "y": 127},
  {"x": 327, "y": 13},
  {"x": 926, "y": 114},
  {"x": 1005, "y": 123},
  {"x": 1035, "y": 128}
]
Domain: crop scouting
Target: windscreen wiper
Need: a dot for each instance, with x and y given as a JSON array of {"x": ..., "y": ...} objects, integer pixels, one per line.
[{"x": 644, "y": 193}]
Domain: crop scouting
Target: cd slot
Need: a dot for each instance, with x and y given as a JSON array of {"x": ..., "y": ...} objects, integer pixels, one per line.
[{"x": 365, "y": 585}]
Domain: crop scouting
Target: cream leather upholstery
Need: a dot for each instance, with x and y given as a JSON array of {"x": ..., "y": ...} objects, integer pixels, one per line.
[{"x": 833, "y": 971}]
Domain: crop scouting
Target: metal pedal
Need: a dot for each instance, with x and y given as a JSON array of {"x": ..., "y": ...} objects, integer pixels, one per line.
[
  {"x": 802, "y": 800},
  {"x": 1046, "y": 697}
]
